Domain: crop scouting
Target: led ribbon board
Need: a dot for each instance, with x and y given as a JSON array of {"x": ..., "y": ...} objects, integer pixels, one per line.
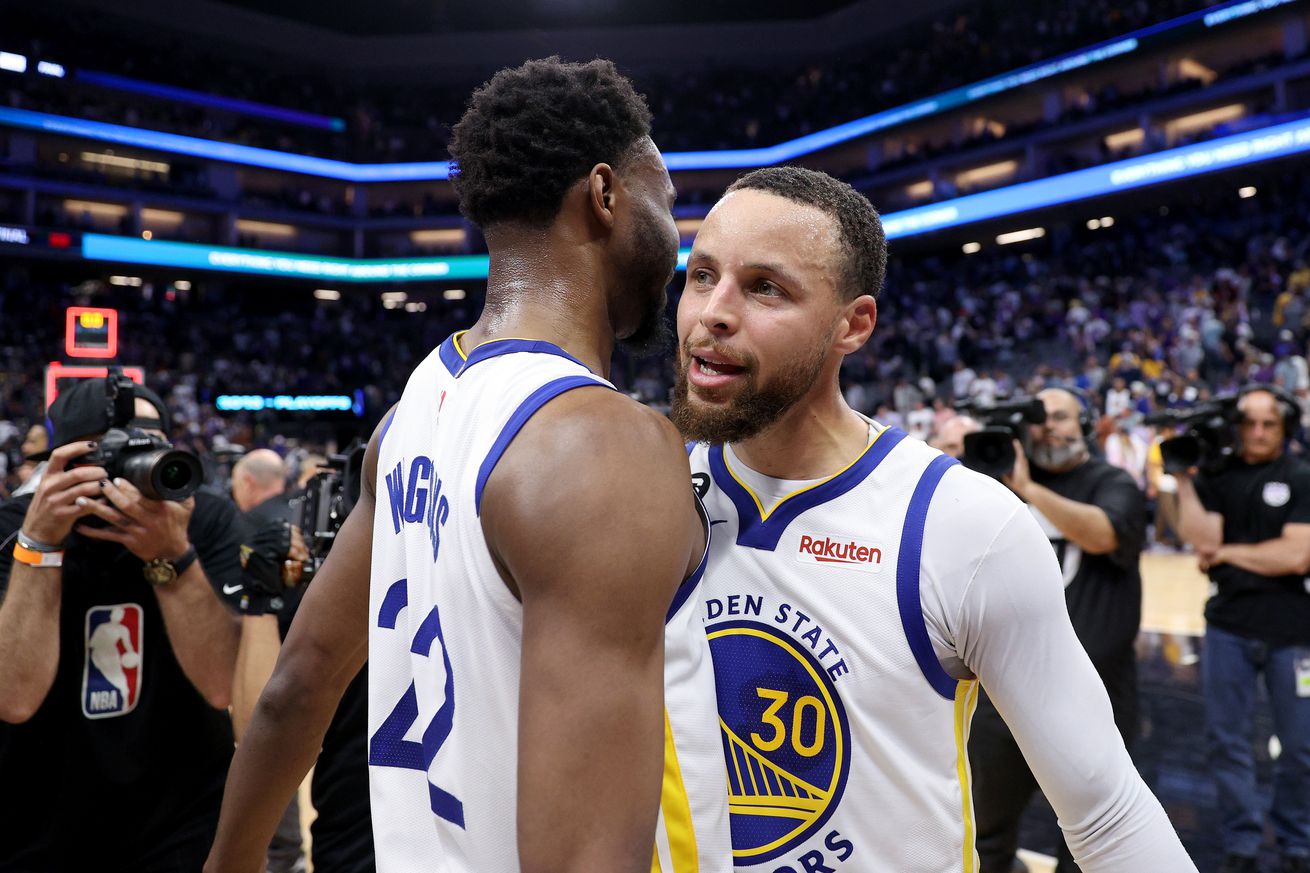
[
  {"x": 1199, "y": 21},
  {"x": 100, "y": 247},
  {"x": 1237, "y": 150},
  {"x": 293, "y": 403}
]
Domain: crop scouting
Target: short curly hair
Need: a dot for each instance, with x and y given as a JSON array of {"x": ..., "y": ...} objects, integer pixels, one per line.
[
  {"x": 861, "y": 234},
  {"x": 532, "y": 131}
]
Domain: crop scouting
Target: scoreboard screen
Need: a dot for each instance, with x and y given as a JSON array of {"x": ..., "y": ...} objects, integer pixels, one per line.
[{"x": 91, "y": 332}]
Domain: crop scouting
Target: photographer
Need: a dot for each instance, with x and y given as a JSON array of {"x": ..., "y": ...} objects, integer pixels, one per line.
[
  {"x": 1250, "y": 526},
  {"x": 118, "y": 654},
  {"x": 341, "y": 833},
  {"x": 1095, "y": 517}
]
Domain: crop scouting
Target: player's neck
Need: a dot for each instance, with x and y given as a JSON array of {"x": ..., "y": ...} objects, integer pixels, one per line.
[
  {"x": 542, "y": 290},
  {"x": 819, "y": 436}
]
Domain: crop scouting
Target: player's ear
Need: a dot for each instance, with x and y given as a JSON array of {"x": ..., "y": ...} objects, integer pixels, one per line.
[
  {"x": 856, "y": 326},
  {"x": 601, "y": 194}
]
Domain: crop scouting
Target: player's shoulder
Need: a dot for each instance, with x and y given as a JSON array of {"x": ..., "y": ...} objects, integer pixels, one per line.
[{"x": 969, "y": 502}]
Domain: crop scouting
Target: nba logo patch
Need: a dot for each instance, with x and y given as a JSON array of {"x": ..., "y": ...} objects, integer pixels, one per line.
[{"x": 111, "y": 675}]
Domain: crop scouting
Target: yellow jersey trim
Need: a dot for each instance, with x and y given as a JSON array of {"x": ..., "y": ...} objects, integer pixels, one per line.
[
  {"x": 454, "y": 340},
  {"x": 677, "y": 811},
  {"x": 764, "y": 515},
  {"x": 966, "y": 699}
]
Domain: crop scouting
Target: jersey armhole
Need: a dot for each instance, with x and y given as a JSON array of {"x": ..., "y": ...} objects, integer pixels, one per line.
[
  {"x": 908, "y": 569},
  {"x": 520, "y": 417}
]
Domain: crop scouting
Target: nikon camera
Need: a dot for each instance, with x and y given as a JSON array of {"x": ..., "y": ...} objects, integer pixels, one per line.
[{"x": 159, "y": 471}]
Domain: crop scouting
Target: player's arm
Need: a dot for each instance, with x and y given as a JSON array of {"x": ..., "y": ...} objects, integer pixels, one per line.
[
  {"x": 31, "y": 598},
  {"x": 1012, "y": 630},
  {"x": 326, "y": 647},
  {"x": 590, "y": 519}
]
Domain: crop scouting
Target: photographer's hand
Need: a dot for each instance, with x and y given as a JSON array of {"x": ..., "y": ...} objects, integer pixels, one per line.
[
  {"x": 202, "y": 633},
  {"x": 147, "y": 528},
  {"x": 30, "y": 606},
  {"x": 61, "y": 497},
  {"x": 1019, "y": 479}
]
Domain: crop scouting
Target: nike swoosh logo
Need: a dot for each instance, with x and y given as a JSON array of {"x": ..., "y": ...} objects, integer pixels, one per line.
[
  {"x": 718, "y": 521},
  {"x": 232, "y": 589}
]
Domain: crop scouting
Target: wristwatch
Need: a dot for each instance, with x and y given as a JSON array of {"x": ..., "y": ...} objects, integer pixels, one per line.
[{"x": 162, "y": 572}]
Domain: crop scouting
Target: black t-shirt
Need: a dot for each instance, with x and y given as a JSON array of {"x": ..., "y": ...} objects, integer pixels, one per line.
[
  {"x": 1104, "y": 592},
  {"x": 122, "y": 767},
  {"x": 1256, "y": 501},
  {"x": 342, "y": 831}
]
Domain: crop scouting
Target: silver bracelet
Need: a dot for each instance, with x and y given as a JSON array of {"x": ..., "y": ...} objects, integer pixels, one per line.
[{"x": 36, "y": 545}]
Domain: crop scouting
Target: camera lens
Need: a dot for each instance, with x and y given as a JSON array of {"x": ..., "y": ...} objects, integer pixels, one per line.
[
  {"x": 164, "y": 474},
  {"x": 174, "y": 474}
]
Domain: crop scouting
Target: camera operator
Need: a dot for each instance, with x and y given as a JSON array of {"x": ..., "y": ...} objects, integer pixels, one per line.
[
  {"x": 1250, "y": 526},
  {"x": 118, "y": 655},
  {"x": 259, "y": 490},
  {"x": 1095, "y": 517},
  {"x": 341, "y": 834}
]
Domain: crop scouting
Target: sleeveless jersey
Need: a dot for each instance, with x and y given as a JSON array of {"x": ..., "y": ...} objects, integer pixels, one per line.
[
  {"x": 844, "y": 738},
  {"x": 445, "y": 635}
]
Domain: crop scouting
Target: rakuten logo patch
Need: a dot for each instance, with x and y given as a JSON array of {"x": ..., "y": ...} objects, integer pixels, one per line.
[{"x": 841, "y": 552}]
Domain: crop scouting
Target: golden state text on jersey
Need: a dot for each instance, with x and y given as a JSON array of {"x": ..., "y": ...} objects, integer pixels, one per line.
[{"x": 843, "y": 737}]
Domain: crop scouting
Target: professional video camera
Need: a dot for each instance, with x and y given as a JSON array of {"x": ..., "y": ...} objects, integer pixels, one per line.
[
  {"x": 1209, "y": 436},
  {"x": 990, "y": 451},
  {"x": 149, "y": 462},
  {"x": 329, "y": 497}
]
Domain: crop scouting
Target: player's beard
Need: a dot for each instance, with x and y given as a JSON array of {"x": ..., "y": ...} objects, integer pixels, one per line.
[
  {"x": 1058, "y": 457},
  {"x": 652, "y": 268},
  {"x": 755, "y": 408}
]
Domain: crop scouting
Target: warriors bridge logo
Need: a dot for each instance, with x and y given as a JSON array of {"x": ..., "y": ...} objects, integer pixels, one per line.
[{"x": 785, "y": 738}]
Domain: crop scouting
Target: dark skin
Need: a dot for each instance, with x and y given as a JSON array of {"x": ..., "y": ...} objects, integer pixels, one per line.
[{"x": 565, "y": 284}]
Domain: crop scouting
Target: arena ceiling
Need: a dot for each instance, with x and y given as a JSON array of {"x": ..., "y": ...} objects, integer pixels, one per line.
[{"x": 397, "y": 17}]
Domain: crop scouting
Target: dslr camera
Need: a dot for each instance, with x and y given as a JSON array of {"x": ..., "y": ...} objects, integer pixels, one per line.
[
  {"x": 329, "y": 497},
  {"x": 149, "y": 462},
  {"x": 1208, "y": 439},
  {"x": 990, "y": 451}
]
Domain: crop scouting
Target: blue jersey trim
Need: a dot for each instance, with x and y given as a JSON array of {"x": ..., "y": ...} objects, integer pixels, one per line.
[
  {"x": 450, "y": 354},
  {"x": 526, "y": 410},
  {"x": 496, "y": 348},
  {"x": 758, "y": 533},
  {"x": 386, "y": 427},
  {"x": 689, "y": 584},
  {"x": 908, "y": 568}
]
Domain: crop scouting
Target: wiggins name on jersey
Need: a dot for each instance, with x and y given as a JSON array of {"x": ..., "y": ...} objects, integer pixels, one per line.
[
  {"x": 844, "y": 737},
  {"x": 445, "y": 635}
]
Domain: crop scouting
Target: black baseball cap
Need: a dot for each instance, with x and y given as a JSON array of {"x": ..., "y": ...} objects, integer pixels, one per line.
[{"x": 81, "y": 411}]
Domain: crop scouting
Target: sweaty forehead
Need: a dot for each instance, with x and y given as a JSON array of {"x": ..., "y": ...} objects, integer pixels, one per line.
[{"x": 753, "y": 225}]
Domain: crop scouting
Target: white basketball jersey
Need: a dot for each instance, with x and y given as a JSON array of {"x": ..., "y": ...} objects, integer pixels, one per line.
[
  {"x": 844, "y": 737},
  {"x": 445, "y": 635}
]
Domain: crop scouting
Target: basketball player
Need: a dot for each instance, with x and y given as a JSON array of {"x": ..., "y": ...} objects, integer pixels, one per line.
[
  {"x": 540, "y": 687},
  {"x": 861, "y": 583}
]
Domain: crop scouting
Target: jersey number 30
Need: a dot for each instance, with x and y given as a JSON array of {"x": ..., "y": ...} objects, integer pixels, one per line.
[{"x": 388, "y": 747}]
